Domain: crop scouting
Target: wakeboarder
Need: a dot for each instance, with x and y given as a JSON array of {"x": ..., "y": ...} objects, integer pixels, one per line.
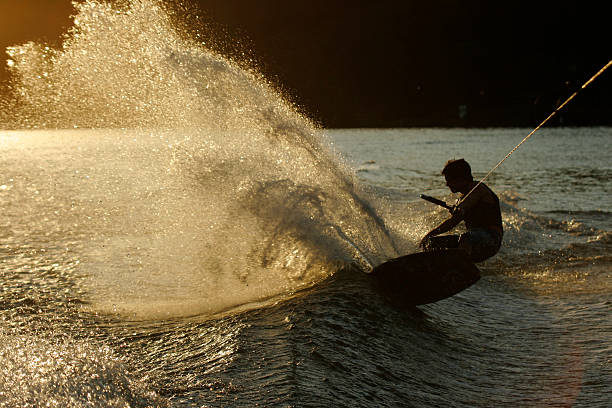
[{"x": 478, "y": 207}]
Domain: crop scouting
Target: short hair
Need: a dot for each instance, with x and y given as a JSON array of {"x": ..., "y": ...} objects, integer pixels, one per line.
[{"x": 455, "y": 169}]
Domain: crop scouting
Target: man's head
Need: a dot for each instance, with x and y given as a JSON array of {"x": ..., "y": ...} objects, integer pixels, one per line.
[{"x": 458, "y": 175}]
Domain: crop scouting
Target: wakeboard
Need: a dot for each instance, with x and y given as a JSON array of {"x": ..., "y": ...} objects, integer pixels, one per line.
[{"x": 426, "y": 277}]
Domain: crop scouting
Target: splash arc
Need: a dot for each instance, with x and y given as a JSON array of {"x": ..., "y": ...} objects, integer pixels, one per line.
[{"x": 212, "y": 191}]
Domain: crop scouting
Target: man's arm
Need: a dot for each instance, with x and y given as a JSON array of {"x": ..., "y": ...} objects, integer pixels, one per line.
[
  {"x": 479, "y": 193},
  {"x": 446, "y": 226}
]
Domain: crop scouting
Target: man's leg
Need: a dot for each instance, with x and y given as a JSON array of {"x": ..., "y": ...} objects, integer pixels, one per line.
[
  {"x": 480, "y": 244},
  {"x": 442, "y": 242}
]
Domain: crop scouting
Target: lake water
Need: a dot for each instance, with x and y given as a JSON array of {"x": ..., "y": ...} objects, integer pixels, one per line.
[{"x": 120, "y": 288}]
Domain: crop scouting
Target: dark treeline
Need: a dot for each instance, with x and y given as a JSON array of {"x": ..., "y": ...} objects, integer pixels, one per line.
[
  {"x": 428, "y": 63},
  {"x": 397, "y": 63}
]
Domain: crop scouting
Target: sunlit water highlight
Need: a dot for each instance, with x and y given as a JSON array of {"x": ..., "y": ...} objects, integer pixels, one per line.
[{"x": 196, "y": 249}]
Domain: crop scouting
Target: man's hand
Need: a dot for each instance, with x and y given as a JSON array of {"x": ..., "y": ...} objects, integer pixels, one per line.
[
  {"x": 455, "y": 210},
  {"x": 442, "y": 228}
]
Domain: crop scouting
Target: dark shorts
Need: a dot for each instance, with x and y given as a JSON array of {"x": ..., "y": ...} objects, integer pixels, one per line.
[{"x": 482, "y": 243}]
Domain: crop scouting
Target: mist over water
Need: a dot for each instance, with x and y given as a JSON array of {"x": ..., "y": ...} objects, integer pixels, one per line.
[
  {"x": 131, "y": 67},
  {"x": 215, "y": 194}
]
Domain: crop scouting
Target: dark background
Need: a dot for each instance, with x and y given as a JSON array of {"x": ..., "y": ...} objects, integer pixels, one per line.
[{"x": 398, "y": 63}]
